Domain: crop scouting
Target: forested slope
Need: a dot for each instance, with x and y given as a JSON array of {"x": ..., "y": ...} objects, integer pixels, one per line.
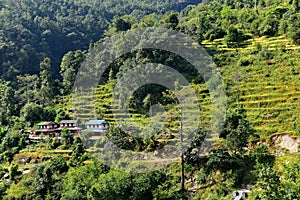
[{"x": 32, "y": 30}]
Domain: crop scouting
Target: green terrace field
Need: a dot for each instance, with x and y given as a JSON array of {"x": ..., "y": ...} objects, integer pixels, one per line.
[{"x": 263, "y": 76}]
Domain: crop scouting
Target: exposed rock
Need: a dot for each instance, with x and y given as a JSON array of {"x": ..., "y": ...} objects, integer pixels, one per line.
[{"x": 286, "y": 141}]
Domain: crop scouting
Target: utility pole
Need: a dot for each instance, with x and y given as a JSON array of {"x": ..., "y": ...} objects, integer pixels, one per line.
[
  {"x": 182, "y": 157},
  {"x": 238, "y": 79}
]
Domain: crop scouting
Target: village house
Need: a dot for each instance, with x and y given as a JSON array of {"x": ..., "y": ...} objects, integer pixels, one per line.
[
  {"x": 97, "y": 126},
  {"x": 71, "y": 125},
  {"x": 53, "y": 129},
  {"x": 46, "y": 128}
]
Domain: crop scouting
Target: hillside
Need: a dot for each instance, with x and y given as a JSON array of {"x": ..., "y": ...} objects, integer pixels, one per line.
[
  {"x": 33, "y": 30},
  {"x": 255, "y": 46},
  {"x": 263, "y": 76}
]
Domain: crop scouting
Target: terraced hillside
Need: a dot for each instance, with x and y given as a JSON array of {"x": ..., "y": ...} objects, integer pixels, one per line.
[
  {"x": 263, "y": 76},
  {"x": 99, "y": 104}
]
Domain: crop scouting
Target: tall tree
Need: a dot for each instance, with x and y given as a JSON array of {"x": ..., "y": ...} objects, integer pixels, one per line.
[
  {"x": 237, "y": 131},
  {"x": 46, "y": 93},
  {"x": 296, "y": 5},
  {"x": 32, "y": 113},
  {"x": 7, "y": 102},
  {"x": 69, "y": 66}
]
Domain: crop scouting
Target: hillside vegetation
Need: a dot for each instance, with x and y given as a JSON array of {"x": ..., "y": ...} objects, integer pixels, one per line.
[
  {"x": 33, "y": 30},
  {"x": 255, "y": 45}
]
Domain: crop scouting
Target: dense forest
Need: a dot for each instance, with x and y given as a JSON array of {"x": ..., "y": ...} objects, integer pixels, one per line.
[
  {"x": 32, "y": 30},
  {"x": 255, "y": 45}
]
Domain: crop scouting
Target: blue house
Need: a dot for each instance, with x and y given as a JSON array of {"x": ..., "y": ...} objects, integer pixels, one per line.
[{"x": 97, "y": 126}]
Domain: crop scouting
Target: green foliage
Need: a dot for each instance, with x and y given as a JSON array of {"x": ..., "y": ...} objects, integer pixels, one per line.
[
  {"x": 31, "y": 113},
  {"x": 40, "y": 32},
  {"x": 291, "y": 181},
  {"x": 46, "y": 93},
  {"x": 269, "y": 184},
  {"x": 69, "y": 66},
  {"x": 67, "y": 137},
  {"x": 120, "y": 24},
  {"x": 124, "y": 186},
  {"x": 86, "y": 175},
  {"x": 7, "y": 102},
  {"x": 43, "y": 181},
  {"x": 170, "y": 20},
  {"x": 233, "y": 36},
  {"x": 59, "y": 165},
  {"x": 32, "y": 30},
  {"x": 237, "y": 131},
  {"x": 13, "y": 171},
  {"x": 78, "y": 151},
  {"x": 261, "y": 155},
  {"x": 111, "y": 186},
  {"x": 47, "y": 182},
  {"x": 293, "y": 25},
  {"x": 194, "y": 152},
  {"x": 202, "y": 176},
  {"x": 122, "y": 139},
  {"x": 61, "y": 114},
  {"x": 220, "y": 159},
  {"x": 10, "y": 145},
  {"x": 48, "y": 113}
]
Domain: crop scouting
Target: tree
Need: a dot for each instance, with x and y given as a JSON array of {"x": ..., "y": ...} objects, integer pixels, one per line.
[
  {"x": 67, "y": 138},
  {"x": 69, "y": 67},
  {"x": 148, "y": 21},
  {"x": 296, "y": 5},
  {"x": 61, "y": 115},
  {"x": 49, "y": 113},
  {"x": 7, "y": 102},
  {"x": 261, "y": 155},
  {"x": 113, "y": 185},
  {"x": 46, "y": 93},
  {"x": 120, "y": 24},
  {"x": 269, "y": 27},
  {"x": 43, "y": 181},
  {"x": 121, "y": 138},
  {"x": 233, "y": 36},
  {"x": 293, "y": 29},
  {"x": 237, "y": 131},
  {"x": 268, "y": 184},
  {"x": 48, "y": 181},
  {"x": 220, "y": 159},
  {"x": 13, "y": 171},
  {"x": 78, "y": 151},
  {"x": 27, "y": 88},
  {"x": 170, "y": 20},
  {"x": 86, "y": 175},
  {"x": 59, "y": 165},
  {"x": 291, "y": 181},
  {"x": 31, "y": 113}
]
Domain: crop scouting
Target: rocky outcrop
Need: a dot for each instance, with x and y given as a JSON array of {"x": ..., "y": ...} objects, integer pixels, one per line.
[{"x": 285, "y": 141}]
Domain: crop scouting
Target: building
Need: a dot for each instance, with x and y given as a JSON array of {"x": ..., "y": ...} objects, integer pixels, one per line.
[
  {"x": 53, "y": 129},
  {"x": 46, "y": 128},
  {"x": 71, "y": 125},
  {"x": 97, "y": 126}
]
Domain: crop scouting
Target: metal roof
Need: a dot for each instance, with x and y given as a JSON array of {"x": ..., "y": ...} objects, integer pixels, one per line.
[
  {"x": 68, "y": 122},
  {"x": 96, "y": 122},
  {"x": 45, "y": 123}
]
